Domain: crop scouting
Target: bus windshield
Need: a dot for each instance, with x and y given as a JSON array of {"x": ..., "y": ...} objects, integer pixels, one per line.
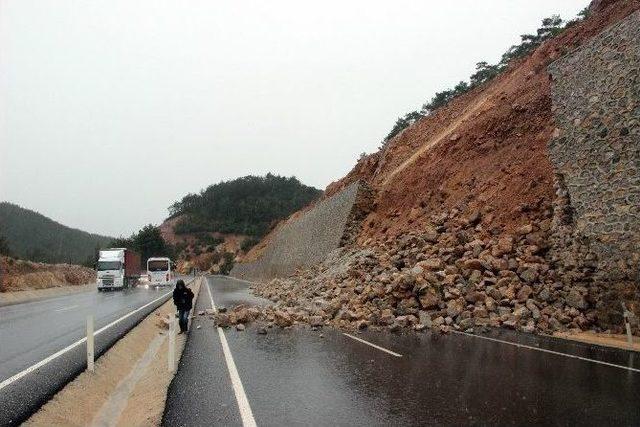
[{"x": 159, "y": 265}]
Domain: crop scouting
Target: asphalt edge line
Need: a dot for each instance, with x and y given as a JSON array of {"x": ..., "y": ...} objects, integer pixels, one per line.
[
  {"x": 236, "y": 279},
  {"x": 544, "y": 350},
  {"x": 372, "y": 345},
  {"x": 59, "y": 353},
  {"x": 241, "y": 397},
  {"x": 60, "y": 310}
]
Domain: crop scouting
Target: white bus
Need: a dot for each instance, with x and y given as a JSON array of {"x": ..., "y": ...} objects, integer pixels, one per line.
[{"x": 159, "y": 271}]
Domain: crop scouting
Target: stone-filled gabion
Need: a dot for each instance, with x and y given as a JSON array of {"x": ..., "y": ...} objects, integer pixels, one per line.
[
  {"x": 307, "y": 240},
  {"x": 596, "y": 149}
]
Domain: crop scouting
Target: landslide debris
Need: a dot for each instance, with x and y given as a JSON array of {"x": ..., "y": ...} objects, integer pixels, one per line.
[
  {"x": 465, "y": 219},
  {"x": 454, "y": 275}
]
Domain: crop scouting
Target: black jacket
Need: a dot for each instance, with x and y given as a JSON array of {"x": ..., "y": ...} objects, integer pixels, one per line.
[{"x": 183, "y": 298}]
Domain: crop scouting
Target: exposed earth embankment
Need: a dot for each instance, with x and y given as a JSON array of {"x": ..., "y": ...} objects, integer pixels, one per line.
[
  {"x": 476, "y": 222},
  {"x": 20, "y": 275}
]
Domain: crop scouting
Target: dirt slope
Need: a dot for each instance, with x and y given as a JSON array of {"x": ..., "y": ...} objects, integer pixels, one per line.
[
  {"x": 19, "y": 275},
  {"x": 485, "y": 150},
  {"x": 463, "y": 231}
]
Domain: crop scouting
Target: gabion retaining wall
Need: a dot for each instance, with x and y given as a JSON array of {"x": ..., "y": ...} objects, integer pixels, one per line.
[
  {"x": 596, "y": 149},
  {"x": 308, "y": 239}
]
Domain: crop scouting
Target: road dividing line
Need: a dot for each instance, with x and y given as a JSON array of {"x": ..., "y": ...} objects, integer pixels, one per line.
[
  {"x": 544, "y": 350},
  {"x": 243, "y": 403},
  {"x": 67, "y": 308},
  {"x": 235, "y": 279},
  {"x": 372, "y": 345},
  {"x": 57, "y": 354}
]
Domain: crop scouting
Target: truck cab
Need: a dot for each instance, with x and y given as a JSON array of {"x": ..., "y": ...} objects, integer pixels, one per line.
[
  {"x": 159, "y": 271},
  {"x": 110, "y": 269}
]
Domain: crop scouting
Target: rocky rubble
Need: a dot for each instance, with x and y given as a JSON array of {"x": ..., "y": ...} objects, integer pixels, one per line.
[
  {"x": 283, "y": 317},
  {"x": 456, "y": 275}
]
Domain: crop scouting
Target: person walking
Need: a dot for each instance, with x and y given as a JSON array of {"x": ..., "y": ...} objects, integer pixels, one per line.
[{"x": 183, "y": 299}]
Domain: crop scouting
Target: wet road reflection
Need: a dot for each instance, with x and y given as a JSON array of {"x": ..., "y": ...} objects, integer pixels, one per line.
[{"x": 302, "y": 377}]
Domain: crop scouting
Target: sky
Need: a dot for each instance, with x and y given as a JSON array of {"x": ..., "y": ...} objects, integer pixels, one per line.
[{"x": 112, "y": 110}]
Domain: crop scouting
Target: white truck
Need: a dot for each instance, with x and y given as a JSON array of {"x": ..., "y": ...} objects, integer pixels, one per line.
[
  {"x": 117, "y": 268},
  {"x": 159, "y": 271}
]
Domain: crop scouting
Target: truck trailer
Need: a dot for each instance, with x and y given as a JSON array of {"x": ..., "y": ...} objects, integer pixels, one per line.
[{"x": 117, "y": 268}]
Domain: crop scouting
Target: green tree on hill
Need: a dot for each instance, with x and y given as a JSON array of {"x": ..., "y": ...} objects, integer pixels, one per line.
[
  {"x": 228, "y": 262},
  {"x": 148, "y": 242},
  {"x": 249, "y": 205},
  {"x": 35, "y": 237},
  {"x": 4, "y": 247},
  {"x": 484, "y": 72}
]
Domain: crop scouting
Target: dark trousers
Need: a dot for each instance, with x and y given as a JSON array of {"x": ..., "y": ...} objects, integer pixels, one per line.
[{"x": 183, "y": 319}]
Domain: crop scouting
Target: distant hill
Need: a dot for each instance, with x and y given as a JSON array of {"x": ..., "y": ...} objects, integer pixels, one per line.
[
  {"x": 210, "y": 229},
  {"x": 246, "y": 206},
  {"x": 30, "y": 235}
]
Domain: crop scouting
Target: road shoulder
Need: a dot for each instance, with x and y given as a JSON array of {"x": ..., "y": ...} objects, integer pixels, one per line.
[{"x": 201, "y": 393}]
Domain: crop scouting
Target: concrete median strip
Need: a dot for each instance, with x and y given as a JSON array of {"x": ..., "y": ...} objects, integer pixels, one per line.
[
  {"x": 112, "y": 409},
  {"x": 243, "y": 403}
]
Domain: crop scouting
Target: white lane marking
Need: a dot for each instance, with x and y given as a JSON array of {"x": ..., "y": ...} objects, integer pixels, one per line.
[
  {"x": 544, "y": 350},
  {"x": 236, "y": 279},
  {"x": 57, "y": 354},
  {"x": 372, "y": 345},
  {"x": 67, "y": 308},
  {"x": 243, "y": 403}
]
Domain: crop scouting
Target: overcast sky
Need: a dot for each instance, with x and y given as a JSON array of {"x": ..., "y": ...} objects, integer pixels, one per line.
[{"x": 111, "y": 110}]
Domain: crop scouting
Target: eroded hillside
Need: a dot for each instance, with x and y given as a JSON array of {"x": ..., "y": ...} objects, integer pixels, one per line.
[
  {"x": 471, "y": 223},
  {"x": 486, "y": 150}
]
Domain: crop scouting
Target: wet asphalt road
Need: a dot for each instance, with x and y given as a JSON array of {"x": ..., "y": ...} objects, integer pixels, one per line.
[
  {"x": 33, "y": 331},
  {"x": 303, "y": 377}
]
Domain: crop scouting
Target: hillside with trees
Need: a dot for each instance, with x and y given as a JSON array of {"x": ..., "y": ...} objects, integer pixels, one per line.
[
  {"x": 148, "y": 242},
  {"x": 208, "y": 230},
  {"x": 485, "y": 72},
  {"x": 247, "y": 206},
  {"x": 29, "y": 235}
]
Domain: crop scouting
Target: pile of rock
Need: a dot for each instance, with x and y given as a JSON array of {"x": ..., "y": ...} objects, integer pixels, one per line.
[
  {"x": 271, "y": 316},
  {"x": 454, "y": 275}
]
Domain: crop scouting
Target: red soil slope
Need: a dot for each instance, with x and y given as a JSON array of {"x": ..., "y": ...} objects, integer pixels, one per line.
[{"x": 486, "y": 151}]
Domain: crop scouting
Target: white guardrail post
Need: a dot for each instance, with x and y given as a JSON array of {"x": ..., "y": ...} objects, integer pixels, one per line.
[
  {"x": 171, "y": 356},
  {"x": 90, "y": 344},
  {"x": 625, "y": 314}
]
